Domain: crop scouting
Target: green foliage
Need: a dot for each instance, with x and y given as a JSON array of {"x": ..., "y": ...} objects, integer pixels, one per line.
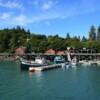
[
  {"x": 98, "y": 34},
  {"x": 84, "y": 39},
  {"x": 67, "y": 36},
  {"x": 92, "y": 33},
  {"x": 75, "y": 42},
  {"x": 10, "y": 39}
]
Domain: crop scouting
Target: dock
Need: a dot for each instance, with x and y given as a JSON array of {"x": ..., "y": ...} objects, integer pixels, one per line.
[{"x": 48, "y": 67}]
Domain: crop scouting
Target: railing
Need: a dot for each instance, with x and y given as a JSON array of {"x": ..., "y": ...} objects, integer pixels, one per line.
[
  {"x": 74, "y": 54},
  {"x": 6, "y": 54},
  {"x": 85, "y": 54}
]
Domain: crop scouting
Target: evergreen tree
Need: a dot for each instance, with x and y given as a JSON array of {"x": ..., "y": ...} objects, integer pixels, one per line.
[
  {"x": 10, "y": 39},
  {"x": 67, "y": 36},
  {"x": 92, "y": 33},
  {"x": 84, "y": 39},
  {"x": 98, "y": 35}
]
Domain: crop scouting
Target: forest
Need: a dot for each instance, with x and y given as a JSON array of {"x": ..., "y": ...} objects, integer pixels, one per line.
[{"x": 12, "y": 38}]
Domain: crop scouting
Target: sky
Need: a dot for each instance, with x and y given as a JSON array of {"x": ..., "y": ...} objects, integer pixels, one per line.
[{"x": 51, "y": 17}]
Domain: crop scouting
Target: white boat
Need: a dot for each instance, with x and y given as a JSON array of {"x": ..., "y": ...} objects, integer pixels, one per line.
[
  {"x": 89, "y": 62},
  {"x": 98, "y": 62},
  {"x": 39, "y": 61},
  {"x": 59, "y": 59},
  {"x": 93, "y": 62},
  {"x": 74, "y": 62},
  {"x": 85, "y": 62}
]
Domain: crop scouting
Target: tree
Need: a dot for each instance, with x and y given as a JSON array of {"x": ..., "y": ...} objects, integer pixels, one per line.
[
  {"x": 98, "y": 34},
  {"x": 84, "y": 39},
  {"x": 5, "y": 37},
  {"x": 75, "y": 43},
  {"x": 92, "y": 33},
  {"x": 67, "y": 36},
  {"x": 10, "y": 39}
]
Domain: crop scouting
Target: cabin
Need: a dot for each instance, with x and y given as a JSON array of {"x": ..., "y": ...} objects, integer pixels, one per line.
[
  {"x": 60, "y": 53},
  {"x": 50, "y": 51},
  {"x": 20, "y": 51}
]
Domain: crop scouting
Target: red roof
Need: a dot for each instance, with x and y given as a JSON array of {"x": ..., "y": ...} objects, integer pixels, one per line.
[
  {"x": 60, "y": 52},
  {"x": 50, "y": 51},
  {"x": 20, "y": 51}
]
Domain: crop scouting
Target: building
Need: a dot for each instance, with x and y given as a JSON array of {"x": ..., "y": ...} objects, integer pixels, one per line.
[
  {"x": 20, "y": 51},
  {"x": 50, "y": 51},
  {"x": 87, "y": 50},
  {"x": 81, "y": 50},
  {"x": 60, "y": 53}
]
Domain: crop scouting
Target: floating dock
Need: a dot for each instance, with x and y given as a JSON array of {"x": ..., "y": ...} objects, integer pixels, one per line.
[{"x": 42, "y": 68}]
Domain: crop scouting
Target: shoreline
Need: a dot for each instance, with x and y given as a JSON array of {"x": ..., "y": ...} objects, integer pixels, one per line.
[{"x": 8, "y": 58}]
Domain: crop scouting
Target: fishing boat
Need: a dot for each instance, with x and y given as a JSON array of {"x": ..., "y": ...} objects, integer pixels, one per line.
[{"x": 39, "y": 61}]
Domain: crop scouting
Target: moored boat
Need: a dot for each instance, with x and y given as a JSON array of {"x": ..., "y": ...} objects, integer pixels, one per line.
[
  {"x": 74, "y": 62},
  {"x": 85, "y": 62},
  {"x": 59, "y": 59},
  {"x": 39, "y": 61}
]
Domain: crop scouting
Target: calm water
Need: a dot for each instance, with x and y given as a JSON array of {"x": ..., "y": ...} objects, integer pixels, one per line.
[{"x": 81, "y": 83}]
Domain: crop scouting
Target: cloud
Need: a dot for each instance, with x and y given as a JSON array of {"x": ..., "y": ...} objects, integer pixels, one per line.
[
  {"x": 11, "y": 4},
  {"x": 21, "y": 20},
  {"x": 44, "y": 5},
  {"x": 48, "y": 10},
  {"x": 5, "y": 16},
  {"x": 45, "y": 17},
  {"x": 55, "y": 9},
  {"x": 47, "y": 5},
  {"x": 10, "y": 19},
  {"x": 35, "y": 3}
]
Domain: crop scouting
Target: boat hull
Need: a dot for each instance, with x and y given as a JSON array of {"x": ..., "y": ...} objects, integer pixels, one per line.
[
  {"x": 27, "y": 65},
  {"x": 24, "y": 66}
]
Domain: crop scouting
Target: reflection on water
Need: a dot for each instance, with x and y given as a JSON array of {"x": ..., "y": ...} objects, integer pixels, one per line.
[
  {"x": 38, "y": 78},
  {"x": 37, "y": 74}
]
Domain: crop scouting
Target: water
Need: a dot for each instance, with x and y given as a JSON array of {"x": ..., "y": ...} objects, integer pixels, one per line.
[{"x": 81, "y": 83}]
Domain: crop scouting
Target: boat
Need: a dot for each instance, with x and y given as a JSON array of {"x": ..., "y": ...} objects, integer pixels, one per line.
[
  {"x": 98, "y": 62},
  {"x": 39, "y": 61},
  {"x": 93, "y": 62},
  {"x": 74, "y": 62},
  {"x": 85, "y": 62},
  {"x": 71, "y": 62},
  {"x": 59, "y": 59}
]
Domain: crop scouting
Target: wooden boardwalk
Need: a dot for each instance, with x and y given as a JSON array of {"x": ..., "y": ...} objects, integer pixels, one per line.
[{"x": 48, "y": 67}]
